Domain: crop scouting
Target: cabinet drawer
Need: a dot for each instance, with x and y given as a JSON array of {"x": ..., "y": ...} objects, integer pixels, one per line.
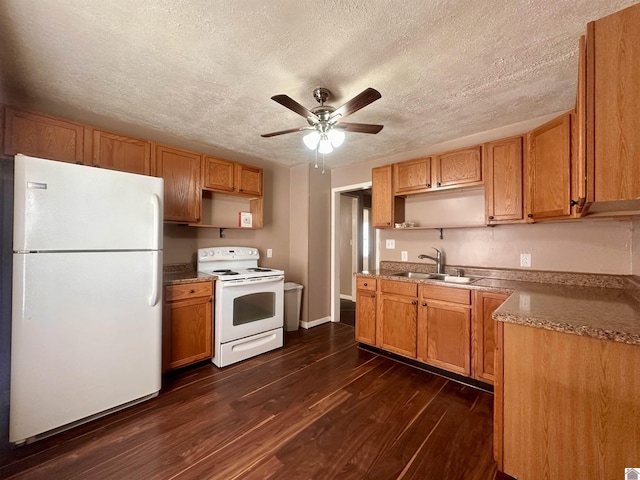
[
  {"x": 399, "y": 288},
  {"x": 366, "y": 283},
  {"x": 188, "y": 290},
  {"x": 446, "y": 294}
]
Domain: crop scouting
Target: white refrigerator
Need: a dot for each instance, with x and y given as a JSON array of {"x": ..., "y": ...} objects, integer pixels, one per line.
[{"x": 87, "y": 294}]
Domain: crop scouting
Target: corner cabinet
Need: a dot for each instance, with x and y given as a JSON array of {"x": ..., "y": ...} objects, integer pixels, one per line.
[
  {"x": 42, "y": 136},
  {"x": 386, "y": 209},
  {"x": 229, "y": 177},
  {"x": 181, "y": 171},
  {"x": 483, "y": 334},
  {"x": 187, "y": 323},
  {"x": 366, "y": 306},
  {"x": 503, "y": 180},
  {"x": 612, "y": 73}
]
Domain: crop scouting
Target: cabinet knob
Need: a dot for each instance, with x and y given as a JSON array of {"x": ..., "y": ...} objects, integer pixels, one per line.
[
  {"x": 573, "y": 203},
  {"x": 530, "y": 215},
  {"x": 192, "y": 291},
  {"x": 373, "y": 295},
  {"x": 388, "y": 223},
  {"x": 366, "y": 284},
  {"x": 424, "y": 304},
  {"x": 210, "y": 300},
  {"x": 414, "y": 302},
  {"x": 439, "y": 184},
  {"x": 240, "y": 190},
  {"x": 490, "y": 217},
  {"x": 79, "y": 162},
  {"x": 428, "y": 185}
]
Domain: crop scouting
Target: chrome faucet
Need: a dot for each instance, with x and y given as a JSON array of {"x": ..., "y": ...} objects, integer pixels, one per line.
[{"x": 437, "y": 259}]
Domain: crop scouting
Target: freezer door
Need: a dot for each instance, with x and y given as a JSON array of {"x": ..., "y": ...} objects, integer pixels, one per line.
[
  {"x": 61, "y": 206},
  {"x": 83, "y": 341}
]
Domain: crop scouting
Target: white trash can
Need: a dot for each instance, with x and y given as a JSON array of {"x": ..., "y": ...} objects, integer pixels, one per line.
[{"x": 292, "y": 301}]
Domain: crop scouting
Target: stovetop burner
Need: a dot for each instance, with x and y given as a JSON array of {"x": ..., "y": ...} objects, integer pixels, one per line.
[
  {"x": 225, "y": 272},
  {"x": 258, "y": 269}
]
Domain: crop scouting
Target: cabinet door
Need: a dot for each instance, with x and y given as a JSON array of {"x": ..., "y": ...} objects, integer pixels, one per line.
[
  {"x": 448, "y": 336},
  {"x": 187, "y": 332},
  {"x": 483, "y": 336},
  {"x": 42, "y": 136},
  {"x": 458, "y": 168},
  {"x": 503, "y": 180},
  {"x": 549, "y": 170},
  {"x": 117, "y": 152},
  {"x": 386, "y": 209},
  {"x": 219, "y": 175},
  {"x": 412, "y": 176},
  {"x": 366, "y": 316},
  {"x": 182, "y": 193},
  {"x": 397, "y": 324},
  {"x": 613, "y": 103},
  {"x": 249, "y": 180}
]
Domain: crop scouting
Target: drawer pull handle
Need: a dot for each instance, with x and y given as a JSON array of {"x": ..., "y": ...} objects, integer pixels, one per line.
[{"x": 366, "y": 284}]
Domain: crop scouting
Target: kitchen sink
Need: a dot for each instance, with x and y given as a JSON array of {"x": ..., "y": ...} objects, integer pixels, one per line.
[{"x": 443, "y": 277}]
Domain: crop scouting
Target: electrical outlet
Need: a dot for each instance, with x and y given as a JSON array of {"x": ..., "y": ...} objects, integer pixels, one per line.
[
  {"x": 269, "y": 253},
  {"x": 391, "y": 244},
  {"x": 525, "y": 260},
  {"x": 404, "y": 256}
]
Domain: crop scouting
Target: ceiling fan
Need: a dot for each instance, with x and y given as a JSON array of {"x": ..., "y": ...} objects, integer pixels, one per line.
[{"x": 325, "y": 122}]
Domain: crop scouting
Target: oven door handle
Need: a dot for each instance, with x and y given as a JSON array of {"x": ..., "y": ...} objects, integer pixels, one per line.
[{"x": 250, "y": 281}]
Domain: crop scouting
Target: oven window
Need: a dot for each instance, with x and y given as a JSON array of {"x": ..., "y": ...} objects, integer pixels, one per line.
[{"x": 253, "y": 307}]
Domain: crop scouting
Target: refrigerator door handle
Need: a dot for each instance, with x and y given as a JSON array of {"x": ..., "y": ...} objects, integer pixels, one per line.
[
  {"x": 156, "y": 268},
  {"x": 157, "y": 220}
]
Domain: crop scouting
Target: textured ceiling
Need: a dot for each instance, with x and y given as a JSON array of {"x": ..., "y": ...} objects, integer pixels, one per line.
[{"x": 205, "y": 70}]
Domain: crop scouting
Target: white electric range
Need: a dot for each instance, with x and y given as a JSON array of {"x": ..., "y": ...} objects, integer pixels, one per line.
[{"x": 248, "y": 303}]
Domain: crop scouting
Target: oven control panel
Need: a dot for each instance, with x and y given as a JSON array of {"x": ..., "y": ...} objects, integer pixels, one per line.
[{"x": 227, "y": 253}]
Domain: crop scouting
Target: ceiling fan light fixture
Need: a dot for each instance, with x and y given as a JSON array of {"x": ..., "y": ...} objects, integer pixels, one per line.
[
  {"x": 311, "y": 139},
  {"x": 324, "y": 146},
  {"x": 336, "y": 137}
]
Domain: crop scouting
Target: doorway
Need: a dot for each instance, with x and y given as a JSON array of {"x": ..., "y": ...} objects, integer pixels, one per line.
[{"x": 353, "y": 246}]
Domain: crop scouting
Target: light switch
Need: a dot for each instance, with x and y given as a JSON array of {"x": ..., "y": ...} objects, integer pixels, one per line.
[
  {"x": 404, "y": 256},
  {"x": 269, "y": 253},
  {"x": 391, "y": 244}
]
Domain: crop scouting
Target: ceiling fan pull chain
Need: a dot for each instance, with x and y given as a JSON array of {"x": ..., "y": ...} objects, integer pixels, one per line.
[{"x": 316, "y": 156}]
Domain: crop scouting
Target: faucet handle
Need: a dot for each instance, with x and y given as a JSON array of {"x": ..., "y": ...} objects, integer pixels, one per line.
[
  {"x": 459, "y": 272},
  {"x": 439, "y": 252}
]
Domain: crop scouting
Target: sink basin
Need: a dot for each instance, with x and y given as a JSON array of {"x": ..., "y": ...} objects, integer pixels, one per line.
[
  {"x": 443, "y": 277},
  {"x": 415, "y": 275}
]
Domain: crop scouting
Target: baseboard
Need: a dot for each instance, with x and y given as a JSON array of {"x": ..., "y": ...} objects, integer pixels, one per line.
[
  {"x": 344, "y": 296},
  {"x": 315, "y": 323}
]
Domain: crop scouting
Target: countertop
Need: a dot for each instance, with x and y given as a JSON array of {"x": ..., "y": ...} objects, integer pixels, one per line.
[
  {"x": 606, "y": 307},
  {"x": 176, "y": 274}
]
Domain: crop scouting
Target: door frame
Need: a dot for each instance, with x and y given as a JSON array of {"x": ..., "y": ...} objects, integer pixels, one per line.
[{"x": 335, "y": 267}]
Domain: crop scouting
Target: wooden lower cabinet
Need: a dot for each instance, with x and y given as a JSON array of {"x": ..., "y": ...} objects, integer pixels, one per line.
[
  {"x": 444, "y": 326},
  {"x": 483, "y": 336},
  {"x": 565, "y": 404},
  {"x": 187, "y": 324},
  {"x": 366, "y": 310},
  {"x": 396, "y": 326}
]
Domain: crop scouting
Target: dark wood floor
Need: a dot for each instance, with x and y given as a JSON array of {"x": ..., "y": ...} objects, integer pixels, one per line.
[{"x": 319, "y": 408}]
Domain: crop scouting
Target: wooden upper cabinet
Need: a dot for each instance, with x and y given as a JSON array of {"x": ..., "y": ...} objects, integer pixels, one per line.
[
  {"x": 503, "y": 180},
  {"x": 43, "y": 136},
  {"x": 249, "y": 180},
  {"x": 458, "y": 168},
  {"x": 386, "y": 209},
  {"x": 613, "y": 106},
  {"x": 181, "y": 171},
  {"x": 412, "y": 176},
  {"x": 218, "y": 174},
  {"x": 116, "y": 152},
  {"x": 225, "y": 176},
  {"x": 549, "y": 170}
]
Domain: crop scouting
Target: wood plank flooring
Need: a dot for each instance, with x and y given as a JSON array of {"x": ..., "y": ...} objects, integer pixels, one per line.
[{"x": 319, "y": 408}]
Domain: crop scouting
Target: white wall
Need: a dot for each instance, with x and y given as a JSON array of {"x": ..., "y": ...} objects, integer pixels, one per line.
[{"x": 597, "y": 246}]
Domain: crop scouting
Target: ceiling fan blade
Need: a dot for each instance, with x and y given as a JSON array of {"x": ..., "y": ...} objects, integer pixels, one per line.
[
  {"x": 282, "y": 132},
  {"x": 294, "y": 106},
  {"x": 361, "y": 100},
  {"x": 359, "y": 127}
]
